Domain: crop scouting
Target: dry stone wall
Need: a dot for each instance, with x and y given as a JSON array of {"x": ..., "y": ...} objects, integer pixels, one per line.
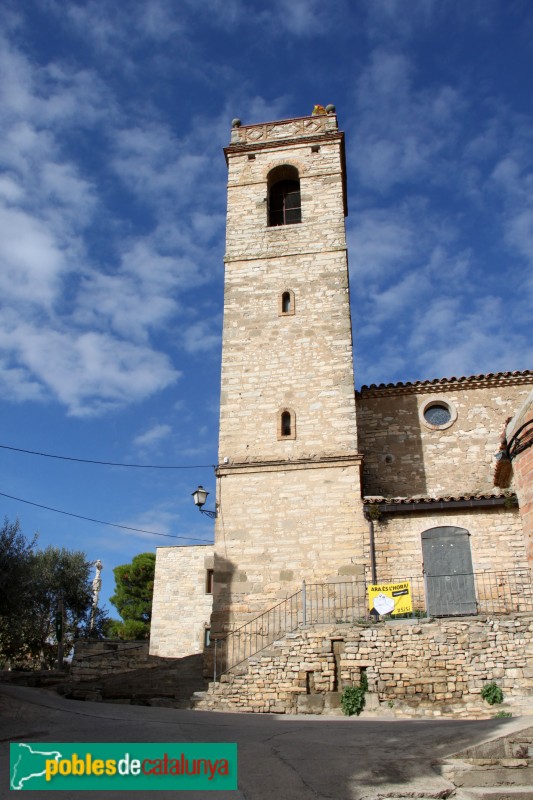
[
  {"x": 432, "y": 668},
  {"x": 93, "y": 660}
]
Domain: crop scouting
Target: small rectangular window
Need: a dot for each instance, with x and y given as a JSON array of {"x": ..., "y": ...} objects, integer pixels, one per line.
[
  {"x": 209, "y": 581},
  {"x": 207, "y": 637}
]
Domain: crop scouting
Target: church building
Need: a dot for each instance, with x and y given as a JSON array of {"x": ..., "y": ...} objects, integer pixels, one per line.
[{"x": 319, "y": 485}]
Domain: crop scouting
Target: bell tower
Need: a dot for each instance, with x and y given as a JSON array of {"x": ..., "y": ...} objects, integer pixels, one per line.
[{"x": 288, "y": 479}]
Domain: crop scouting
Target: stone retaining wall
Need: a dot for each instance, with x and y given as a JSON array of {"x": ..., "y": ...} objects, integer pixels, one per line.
[
  {"x": 433, "y": 668},
  {"x": 93, "y": 659}
]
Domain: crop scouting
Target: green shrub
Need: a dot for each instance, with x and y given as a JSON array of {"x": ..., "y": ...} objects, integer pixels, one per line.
[
  {"x": 353, "y": 697},
  {"x": 492, "y": 693}
]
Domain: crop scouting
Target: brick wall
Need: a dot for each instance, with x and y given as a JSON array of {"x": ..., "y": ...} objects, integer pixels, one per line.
[{"x": 523, "y": 472}]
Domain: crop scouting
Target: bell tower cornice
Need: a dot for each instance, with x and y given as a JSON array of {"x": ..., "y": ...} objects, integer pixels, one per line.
[{"x": 295, "y": 133}]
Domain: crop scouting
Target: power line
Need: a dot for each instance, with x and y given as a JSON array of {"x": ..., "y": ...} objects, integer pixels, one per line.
[
  {"x": 102, "y": 522},
  {"x": 105, "y": 463}
]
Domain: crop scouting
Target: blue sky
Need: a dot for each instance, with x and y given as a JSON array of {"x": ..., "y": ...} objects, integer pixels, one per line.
[{"x": 112, "y": 210}]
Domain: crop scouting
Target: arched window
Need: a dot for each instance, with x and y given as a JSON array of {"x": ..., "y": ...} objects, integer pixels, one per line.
[
  {"x": 284, "y": 204},
  {"x": 286, "y": 302},
  {"x": 286, "y": 424}
]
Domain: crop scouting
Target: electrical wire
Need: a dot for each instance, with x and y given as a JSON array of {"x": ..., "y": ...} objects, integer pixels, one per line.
[
  {"x": 102, "y": 522},
  {"x": 104, "y": 463}
]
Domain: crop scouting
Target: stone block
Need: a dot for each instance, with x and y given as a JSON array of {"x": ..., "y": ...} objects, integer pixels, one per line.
[{"x": 311, "y": 704}]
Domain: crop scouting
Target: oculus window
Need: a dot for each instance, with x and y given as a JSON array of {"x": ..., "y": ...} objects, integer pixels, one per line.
[{"x": 438, "y": 414}]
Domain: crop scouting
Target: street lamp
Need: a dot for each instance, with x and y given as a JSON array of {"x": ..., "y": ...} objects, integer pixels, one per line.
[{"x": 200, "y": 496}]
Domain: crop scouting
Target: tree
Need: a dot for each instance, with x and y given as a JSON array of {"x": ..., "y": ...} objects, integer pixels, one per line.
[
  {"x": 15, "y": 557},
  {"x": 133, "y": 597},
  {"x": 15, "y": 584},
  {"x": 60, "y": 577},
  {"x": 33, "y": 583}
]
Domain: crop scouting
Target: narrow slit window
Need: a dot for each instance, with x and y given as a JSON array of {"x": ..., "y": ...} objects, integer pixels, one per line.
[
  {"x": 286, "y": 303},
  {"x": 286, "y": 424},
  {"x": 209, "y": 580}
]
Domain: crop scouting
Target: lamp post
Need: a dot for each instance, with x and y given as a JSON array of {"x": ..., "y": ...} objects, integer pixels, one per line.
[{"x": 200, "y": 496}]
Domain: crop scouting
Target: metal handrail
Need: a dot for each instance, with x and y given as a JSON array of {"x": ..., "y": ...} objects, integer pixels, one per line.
[
  {"x": 496, "y": 592},
  {"x": 288, "y": 610}
]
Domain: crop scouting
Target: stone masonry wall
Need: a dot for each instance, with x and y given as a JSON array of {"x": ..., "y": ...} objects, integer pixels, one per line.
[
  {"x": 300, "y": 361},
  {"x": 181, "y": 607},
  {"x": 429, "y": 667},
  {"x": 405, "y": 457},
  {"x": 288, "y": 507},
  {"x": 283, "y": 526},
  {"x": 496, "y": 540},
  {"x": 93, "y": 659}
]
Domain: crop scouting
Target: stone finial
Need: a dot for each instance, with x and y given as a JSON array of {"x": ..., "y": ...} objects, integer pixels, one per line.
[
  {"x": 236, "y": 123},
  {"x": 330, "y": 109}
]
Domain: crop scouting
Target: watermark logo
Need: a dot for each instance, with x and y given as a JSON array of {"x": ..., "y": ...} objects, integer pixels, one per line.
[{"x": 110, "y": 766}]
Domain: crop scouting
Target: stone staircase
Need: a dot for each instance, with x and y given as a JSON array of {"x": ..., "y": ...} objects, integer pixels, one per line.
[
  {"x": 170, "y": 684},
  {"x": 497, "y": 770}
]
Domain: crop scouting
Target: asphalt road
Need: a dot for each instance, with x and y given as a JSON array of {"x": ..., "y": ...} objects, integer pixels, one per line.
[{"x": 285, "y": 757}]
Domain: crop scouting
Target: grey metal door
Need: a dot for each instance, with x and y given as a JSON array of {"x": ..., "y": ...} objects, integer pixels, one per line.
[{"x": 450, "y": 585}]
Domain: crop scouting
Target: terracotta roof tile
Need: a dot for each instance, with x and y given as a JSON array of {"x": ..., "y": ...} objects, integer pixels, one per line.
[
  {"x": 524, "y": 376},
  {"x": 378, "y": 499}
]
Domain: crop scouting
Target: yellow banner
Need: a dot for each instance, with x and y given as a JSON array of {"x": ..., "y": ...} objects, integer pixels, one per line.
[{"x": 390, "y": 598}]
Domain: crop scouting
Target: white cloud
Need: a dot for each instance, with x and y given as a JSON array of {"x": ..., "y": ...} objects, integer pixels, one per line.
[
  {"x": 88, "y": 372},
  {"x": 379, "y": 242},
  {"x": 301, "y": 17},
  {"x": 31, "y": 257},
  {"x": 403, "y": 19},
  {"x": 152, "y": 436},
  {"x": 202, "y": 335},
  {"x": 81, "y": 330},
  {"x": 118, "y": 301},
  {"x": 512, "y": 178},
  {"x": 400, "y": 134}
]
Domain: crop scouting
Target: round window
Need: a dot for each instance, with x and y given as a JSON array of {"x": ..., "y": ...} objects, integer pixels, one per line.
[{"x": 437, "y": 414}]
